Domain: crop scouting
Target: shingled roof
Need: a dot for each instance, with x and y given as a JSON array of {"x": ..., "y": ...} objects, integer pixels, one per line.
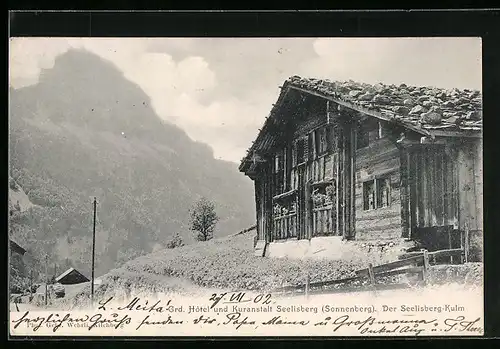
[{"x": 426, "y": 110}]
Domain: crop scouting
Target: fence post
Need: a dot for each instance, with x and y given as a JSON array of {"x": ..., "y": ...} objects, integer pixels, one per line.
[
  {"x": 31, "y": 284},
  {"x": 371, "y": 274},
  {"x": 425, "y": 269},
  {"x": 450, "y": 246},
  {"x": 307, "y": 284},
  {"x": 466, "y": 243}
]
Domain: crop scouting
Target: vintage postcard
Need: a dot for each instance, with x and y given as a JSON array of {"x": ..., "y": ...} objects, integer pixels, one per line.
[{"x": 176, "y": 187}]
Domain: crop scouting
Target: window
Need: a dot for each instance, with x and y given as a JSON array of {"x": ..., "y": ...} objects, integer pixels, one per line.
[
  {"x": 279, "y": 172},
  {"x": 368, "y": 133},
  {"x": 383, "y": 192},
  {"x": 362, "y": 138},
  {"x": 277, "y": 163},
  {"x": 301, "y": 151},
  {"x": 369, "y": 195},
  {"x": 381, "y": 130},
  {"x": 329, "y": 138},
  {"x": 376, "y": 193},
  {"x": 288, "y": 167},
  {"x": 321, "y": 141},
  {"x": 309, "y": 148}
]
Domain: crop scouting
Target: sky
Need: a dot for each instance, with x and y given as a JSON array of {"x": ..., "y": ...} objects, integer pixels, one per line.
[{"x": 220, "y": 90}]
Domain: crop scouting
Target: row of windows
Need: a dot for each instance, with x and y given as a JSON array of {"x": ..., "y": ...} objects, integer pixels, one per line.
[
  {"x": 304, "y": 149},
  {"x": 376, "y": 193},
  {"x": 366, "y": 134}
]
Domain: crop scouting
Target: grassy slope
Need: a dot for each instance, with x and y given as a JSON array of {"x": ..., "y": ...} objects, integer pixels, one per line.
[
  {"x": 230, "y": 263},
  {"x": 226, "y": 263}
]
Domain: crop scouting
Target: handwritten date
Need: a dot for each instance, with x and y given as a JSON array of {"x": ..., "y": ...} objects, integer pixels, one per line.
[{"x": 239, "y": 297}]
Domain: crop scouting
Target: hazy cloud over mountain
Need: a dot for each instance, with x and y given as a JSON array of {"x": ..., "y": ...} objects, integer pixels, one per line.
[{"x": 220, "y": 90}]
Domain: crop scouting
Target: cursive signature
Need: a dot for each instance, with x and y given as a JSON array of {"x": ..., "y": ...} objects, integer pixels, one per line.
[
  {"x": 55, "y": 321},
  {"x": 462, "y": 325}
]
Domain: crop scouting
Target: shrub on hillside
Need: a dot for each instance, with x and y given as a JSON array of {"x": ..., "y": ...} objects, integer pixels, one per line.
[
  {"x": 476, "y": 247},
  {"x": 176, "y": 241}
]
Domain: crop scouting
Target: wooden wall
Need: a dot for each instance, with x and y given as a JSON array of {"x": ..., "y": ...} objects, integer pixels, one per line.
[
  {"x": 379, "y": 159},
  {"x": 263, "y": 201},
  {"x": 470, "y": 182},
  {"x": 433, "y": 173},
  {"x": 298, "y": 221},
  {"x": 445, "y": 186}
]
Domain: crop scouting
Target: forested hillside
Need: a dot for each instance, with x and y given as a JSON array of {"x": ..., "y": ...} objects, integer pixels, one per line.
[{"x": 85, "y": 131}]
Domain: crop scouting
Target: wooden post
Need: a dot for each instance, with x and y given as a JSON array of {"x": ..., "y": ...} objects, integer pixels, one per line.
[
  {"x": 46, "y": 278},
  {"x": 307, "y": 284},
  {"x": 450, "y": 245},
  {"x": 328, "y": 121},
  {"x": 371, "y": 274},
  {"x": 466, "y": 243},
  {"x": 344, "y": 186},
  {"x": 308, "y": 211},
  {"x": 352, "y": 182},
  {"x": 425, "y": 270},
  {"x": 93, "y": 256},
  {"x": 337, "y": 190},
  {"x": 31, "y": 284}
]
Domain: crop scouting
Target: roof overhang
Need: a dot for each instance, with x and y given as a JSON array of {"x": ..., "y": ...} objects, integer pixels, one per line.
[{"x": 262, "y": 143}]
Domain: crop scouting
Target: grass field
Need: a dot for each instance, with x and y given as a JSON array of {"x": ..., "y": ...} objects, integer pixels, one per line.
[{"x": 228, "y": 264}]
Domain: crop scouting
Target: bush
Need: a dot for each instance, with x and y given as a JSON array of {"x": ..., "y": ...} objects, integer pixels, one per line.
[
  {"x": 476, "y": 246},
  {"x": 176, "y": 241},
  {"x": 13, "y": 185}
]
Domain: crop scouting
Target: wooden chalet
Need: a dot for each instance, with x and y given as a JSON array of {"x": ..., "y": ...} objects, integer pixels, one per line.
[{"x": 368, "y": 162}]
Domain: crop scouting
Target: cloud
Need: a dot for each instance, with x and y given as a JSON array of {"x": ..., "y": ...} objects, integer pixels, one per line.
[
  {"x": 219, "y": 90},
  {"x": 175, "y": 88},
  {"x": 28, "y": 56},
  {"x": 442, "y": 62}
]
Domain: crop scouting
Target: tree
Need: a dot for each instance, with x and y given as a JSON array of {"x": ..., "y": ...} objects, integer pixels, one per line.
[{"x": 203, "y": 219}]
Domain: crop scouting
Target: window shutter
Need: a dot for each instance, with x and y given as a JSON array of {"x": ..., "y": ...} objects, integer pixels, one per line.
[
  {"x": 329, "y": 138},
  {"x": 309, "y": 151},
  {"x": 294, "y": 155}
]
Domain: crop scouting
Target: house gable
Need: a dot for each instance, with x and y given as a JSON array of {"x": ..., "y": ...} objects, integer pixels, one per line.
[{"x": 431, "y": 112}]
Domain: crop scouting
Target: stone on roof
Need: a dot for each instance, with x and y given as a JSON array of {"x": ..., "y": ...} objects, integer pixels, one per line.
[{"x": 425, "y": 106}]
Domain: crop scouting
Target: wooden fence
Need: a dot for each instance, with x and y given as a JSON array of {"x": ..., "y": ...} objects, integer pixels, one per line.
[
  {"x": 414, "y": 263},
  {"x": 322, "y": 223},
  {"x": 285, "y": 226}
]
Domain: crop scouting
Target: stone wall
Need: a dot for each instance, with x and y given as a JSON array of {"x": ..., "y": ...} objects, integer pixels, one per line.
[{"x": 333, "y": 247}]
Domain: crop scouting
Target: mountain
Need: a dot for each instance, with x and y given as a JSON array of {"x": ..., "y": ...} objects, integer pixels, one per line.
[{"x": 86, "y": 131}]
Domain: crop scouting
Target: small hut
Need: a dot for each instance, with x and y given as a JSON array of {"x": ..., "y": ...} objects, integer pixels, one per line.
[
  {"x": 14, "y": 247},
  {"x": 71, "y": 277}
]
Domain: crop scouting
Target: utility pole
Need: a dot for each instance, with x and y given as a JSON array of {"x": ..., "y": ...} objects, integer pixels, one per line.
[
  {"x": 93, "y": 255},
  {"x": 31, "y": 284},
  {"x": 46, "y": 279}
]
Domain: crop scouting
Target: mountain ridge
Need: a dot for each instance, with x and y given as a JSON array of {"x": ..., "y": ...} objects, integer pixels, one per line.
[{"x": 85, "y": 130}]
